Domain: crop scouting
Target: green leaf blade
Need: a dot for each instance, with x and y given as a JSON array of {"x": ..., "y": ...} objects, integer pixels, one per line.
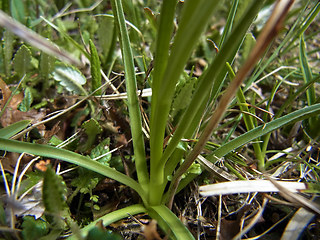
[
  {"x": 95, "y": 68},
  {"x": 268, "y": 127},
  {"x": 71, "y": 78},
  {"x": 13, "y": 129},
  {"x": 133, "y": 102},
  {"x": 22, "y": 60}
]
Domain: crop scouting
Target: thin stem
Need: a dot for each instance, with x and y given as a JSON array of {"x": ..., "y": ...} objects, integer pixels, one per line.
[{"x": 133, "y": 102}]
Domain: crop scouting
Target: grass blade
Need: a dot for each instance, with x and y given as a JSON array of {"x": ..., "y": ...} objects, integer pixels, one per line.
[
  {"x": 194, "y": 19},
  {"x": 306, "y": 72},
  {"x": 71, "y": 157},
  {"x": 169, "y": 222},
  {"x": 214, "y": 75},
  {"x": 13, "y": 129},
  {"x": 293, "y": 117},
  {"x": 111, "y": 218},
  {"x": 268, "y": 33},
  {"x": 133, "y": 102}
]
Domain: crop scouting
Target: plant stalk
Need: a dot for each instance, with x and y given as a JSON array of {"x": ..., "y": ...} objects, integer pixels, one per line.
[{"x": 270, "y": 30}]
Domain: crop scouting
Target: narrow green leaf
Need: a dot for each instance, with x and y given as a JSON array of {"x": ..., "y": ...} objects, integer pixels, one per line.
[
  {"x": 105, "y": 33},
  {"x": 213, "y": 76},
  {"x": 169, "y": 222},
  {"x": 314, "y": 122},
  {"x": 133, "y": 102},
  {"x": 95, "y": 68},
  {"x": 17, "y": 10},
  {"x": 228, "y": 27},
  {"x": 71, "y": 78},
  {"x": 194, "y": 18},
  {"x": 71, "y": 157},
  {"x": 13, "y": 129},
  {"x": 306, "y": 71},
  {"x": 7, "y": 51},
  {"x": 164, "y": 35},
  {"x": 293, "y": 117},
  {"x": 21, "y": 61},
  {"x": 112, "y": 217}
]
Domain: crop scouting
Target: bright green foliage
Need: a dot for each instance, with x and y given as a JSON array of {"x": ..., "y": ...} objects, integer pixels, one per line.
[
  {"x": 100, "y": 149},
  {"x": 46, "y": 66},
  {"x": 33, "y": 229},
  {"x": 133, "y": 102},
  {"x": 86, "y": 181},
  {"x": 7, "y": 51},
  {"x": 248, "y": 43},
  {"x": 27, "y": 100},
  {"x": 313, "y": 123},
  {"x": 71, "y": 78},
  {"x": 180, "y": 105},
  {"x": 13, "y": 129},
  {"x": 54, "y": 196},
  {"x": 22, "y": 60},
  {"x": 18, "y": 10},
  {"x": 95, "y": 68}
]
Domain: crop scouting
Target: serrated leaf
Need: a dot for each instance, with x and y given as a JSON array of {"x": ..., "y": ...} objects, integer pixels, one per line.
[
  {"x": 71, "y": 78},
  {"x": 27, "y": 100},
  {"x": 46, "y": 65},
  {"x": 183, "y": 95},
  {"x": 22, "y": 60},
  {"x": 95, "y": 68},
  {"x": 53, "y": 192},
  {"x": 7, "y": 51},
  {"x": 17, "y": 10},
  {"x": 86, "y": 181},
  {"x": 33, "y": 229},
  {"x": 100, "y": 149}
]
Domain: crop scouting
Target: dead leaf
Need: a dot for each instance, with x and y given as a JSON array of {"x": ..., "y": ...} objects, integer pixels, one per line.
[
  {"x": 230, "y": 228},
  {"x": 150, "y": 231}
]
